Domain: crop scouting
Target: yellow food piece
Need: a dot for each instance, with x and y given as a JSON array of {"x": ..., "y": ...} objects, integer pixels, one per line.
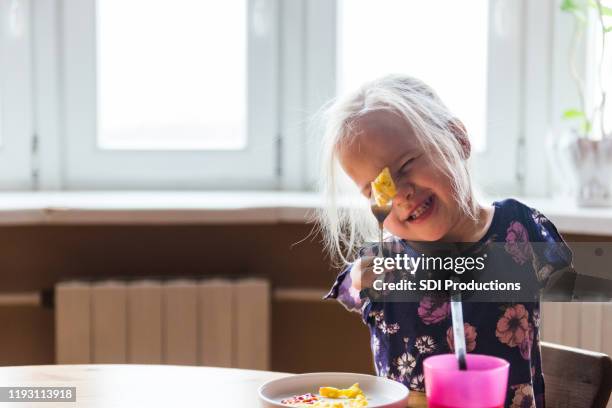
[
  {"x": 331, "y": 392},
  {"x": 383, "y": 188},
  {"x": 358, "y": 402},
  {"x": 352, "y": 397}
]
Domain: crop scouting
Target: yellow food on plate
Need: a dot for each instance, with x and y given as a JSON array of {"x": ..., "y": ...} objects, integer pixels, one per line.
[
  {"x": 331, "y": 392},
  {"x": 383, "y": 188},
  {"x": 359, "y": 401},
  {"x": 352, "y": 397}
]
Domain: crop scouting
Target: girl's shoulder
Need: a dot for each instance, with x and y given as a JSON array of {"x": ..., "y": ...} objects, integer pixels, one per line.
[
  {"x": 515, "y": 219},
  {"x": 513, "y": 208}
]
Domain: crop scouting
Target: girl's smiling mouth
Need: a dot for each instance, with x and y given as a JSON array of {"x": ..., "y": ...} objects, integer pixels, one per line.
[{"x": 422, "y": 211}]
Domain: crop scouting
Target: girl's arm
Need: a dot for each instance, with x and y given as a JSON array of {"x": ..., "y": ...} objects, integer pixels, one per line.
[
  {"x": 553, "y": 259},
  {"x": 358, "y": 276},
  {"x": 350, "y": 282},
  {"x": 346, "y": 291}
]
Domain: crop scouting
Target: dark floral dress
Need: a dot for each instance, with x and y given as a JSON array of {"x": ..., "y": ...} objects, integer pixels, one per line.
[{"x": 403, "y": 334}]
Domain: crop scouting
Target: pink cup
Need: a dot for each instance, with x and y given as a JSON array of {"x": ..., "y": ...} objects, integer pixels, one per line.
[{"x": 482, "y": 385}]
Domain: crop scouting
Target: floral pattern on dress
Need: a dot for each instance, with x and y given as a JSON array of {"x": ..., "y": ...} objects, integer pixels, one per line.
[
  {"x": 539, "y": 219},
  {"x": 417, "y": 383},
  {"x": 378, "y": 315},
  {"x": 382, "y": 324},
  {"x": 391, "y": 328},
  {"x": 536, "y": 317},
  {"x": 470, "y": 337},
  {"x": 525, "y": 346},
  {"x": 433, "y": 310},
  {"x": 404, "y": 364},
  {"x": 517, "y": 243},
  {"x": 523, "y": 396},
  {"x": 425, "y": 344},
  {"x": 512, "y": 328}
]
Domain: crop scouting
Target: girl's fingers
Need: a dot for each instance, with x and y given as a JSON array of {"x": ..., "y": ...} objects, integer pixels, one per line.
[{"x": 365, "y": 271}]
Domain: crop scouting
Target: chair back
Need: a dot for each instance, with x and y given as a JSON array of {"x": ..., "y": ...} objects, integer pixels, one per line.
[{"x": 575, "y": 378}]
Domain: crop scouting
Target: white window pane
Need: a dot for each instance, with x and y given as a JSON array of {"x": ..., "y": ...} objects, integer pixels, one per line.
[
  {"x": 16, "y": 128},
  {"x": 1, "y": 112},
  {"x": 598, "y": 78},
  {"x": 171, "y": 74},
  {"x": 442, "y": 42}
]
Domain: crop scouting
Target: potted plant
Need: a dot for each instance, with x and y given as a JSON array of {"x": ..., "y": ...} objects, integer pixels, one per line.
[{"x": 589, "y": 146}]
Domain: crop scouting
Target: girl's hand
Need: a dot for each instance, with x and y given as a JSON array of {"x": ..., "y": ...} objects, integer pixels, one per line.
[{"x": 363, "y": 275}]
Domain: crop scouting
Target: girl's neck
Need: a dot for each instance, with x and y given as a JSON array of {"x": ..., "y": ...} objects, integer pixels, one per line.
[{"x": 469, "y": 230}]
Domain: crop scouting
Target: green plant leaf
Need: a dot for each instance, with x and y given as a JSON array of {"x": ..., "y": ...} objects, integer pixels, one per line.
[
  {"x": 576, "y": 8},
  {"x": 573, "y": 114},
  {"x": 608, "y": 29},
  {"x": 605, "y": 11},
  {"x": 569, "y": 5},
  {"x": 576, "y": 114}
]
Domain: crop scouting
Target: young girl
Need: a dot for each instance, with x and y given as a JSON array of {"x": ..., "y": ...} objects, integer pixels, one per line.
[{"x": 400, "y": 123}]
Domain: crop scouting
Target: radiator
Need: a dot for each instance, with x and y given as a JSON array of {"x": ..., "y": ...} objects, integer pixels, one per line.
[
  {"x": 213, "y": 322},
  {"x": 583, "y": 325}
]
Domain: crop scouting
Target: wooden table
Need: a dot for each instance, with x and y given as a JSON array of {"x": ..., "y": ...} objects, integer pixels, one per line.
[{"x": 148, "y": 385}]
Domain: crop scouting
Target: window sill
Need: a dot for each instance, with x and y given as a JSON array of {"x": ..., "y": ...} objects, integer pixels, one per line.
[
  {"x": 225, "y": 207},
  {"x": 155, "y": 207},
  {"x": 571, "y": 219}
]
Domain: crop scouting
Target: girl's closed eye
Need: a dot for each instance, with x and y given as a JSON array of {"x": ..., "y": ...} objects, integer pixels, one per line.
[{"x": 407, "y": 164}]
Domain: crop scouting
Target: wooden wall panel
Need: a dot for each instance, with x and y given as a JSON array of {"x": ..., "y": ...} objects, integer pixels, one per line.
[
  {"x": 36, "y": 257},
  {"x": 311, "y": 337},
  {"x": 27, "y": 336}
]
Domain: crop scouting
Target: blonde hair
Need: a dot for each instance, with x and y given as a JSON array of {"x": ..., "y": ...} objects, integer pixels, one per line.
[{"x": 347, "y": 226}]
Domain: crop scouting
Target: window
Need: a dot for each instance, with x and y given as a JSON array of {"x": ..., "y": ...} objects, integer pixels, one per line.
[
  {"x": 467, "y": 51},
  {"x": 177, "y": 94},
  {"x": 133, "y": 94},
  {"x": 574, "y": 51},
  {"x": 172, "y": 88},
  {"x": 599, "y": 56},
  {"x": 412, "y": 37},
  {"x": 16, "y": 133}
]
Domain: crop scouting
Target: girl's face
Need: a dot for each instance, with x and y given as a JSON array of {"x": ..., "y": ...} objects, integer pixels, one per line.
[{"x": 424, "y": 208}]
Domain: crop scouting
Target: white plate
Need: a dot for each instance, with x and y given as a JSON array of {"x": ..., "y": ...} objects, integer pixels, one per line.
[{"x": 380, "y": 392}]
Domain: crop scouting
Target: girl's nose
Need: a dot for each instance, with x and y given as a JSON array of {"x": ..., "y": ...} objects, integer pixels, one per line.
[{"x": 405, "y": 193}]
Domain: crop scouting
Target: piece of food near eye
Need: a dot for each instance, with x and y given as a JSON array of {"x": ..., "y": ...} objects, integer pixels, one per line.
[{"x": 383, "y": 188}]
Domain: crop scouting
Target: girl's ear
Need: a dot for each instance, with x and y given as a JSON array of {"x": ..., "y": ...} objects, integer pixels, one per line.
[{"x": 458, "y": 129}]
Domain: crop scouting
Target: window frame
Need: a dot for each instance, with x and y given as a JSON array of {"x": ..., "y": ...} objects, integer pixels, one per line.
[
  {"x": 549, "y": 91},
  {"x": 85, "y": 166},
  {"x": 17, "y": 112},
  {"x": 502, "y": 148},
  {"x": 504, "y": 129}
]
